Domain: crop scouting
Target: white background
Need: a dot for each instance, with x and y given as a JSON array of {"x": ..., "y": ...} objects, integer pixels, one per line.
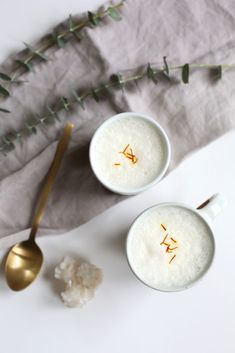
[{"x": 125, "y": 316}]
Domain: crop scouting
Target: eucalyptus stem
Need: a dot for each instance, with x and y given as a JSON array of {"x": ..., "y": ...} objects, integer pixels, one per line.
[
  {"x": 81, "y": 25},
  {"x": 205, "y": 66},
  {"x": 116, "y": 81},
  {"x": 26, "y": 64}
]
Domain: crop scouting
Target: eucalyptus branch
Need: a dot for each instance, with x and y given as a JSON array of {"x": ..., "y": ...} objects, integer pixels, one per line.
[
  {"x": 59, "y": 39},
  {"x": 116, "y": 81}
]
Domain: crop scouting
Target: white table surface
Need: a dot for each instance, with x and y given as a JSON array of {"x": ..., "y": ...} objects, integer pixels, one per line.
[{"x": 125, "y": 316}]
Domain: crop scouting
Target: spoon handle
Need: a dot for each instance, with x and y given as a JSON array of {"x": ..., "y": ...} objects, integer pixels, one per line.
[{"x": 60, "y": 151}]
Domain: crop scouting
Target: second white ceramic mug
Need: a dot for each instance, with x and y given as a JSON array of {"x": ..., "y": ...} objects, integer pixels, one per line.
[{"x": 205, "y": 214}]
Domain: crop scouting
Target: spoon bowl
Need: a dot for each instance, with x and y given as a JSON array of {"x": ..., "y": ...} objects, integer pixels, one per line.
[{"x": 23, "y": 264}]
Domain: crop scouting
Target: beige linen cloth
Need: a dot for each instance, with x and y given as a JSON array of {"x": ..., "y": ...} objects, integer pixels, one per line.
[{"x": 193, "y": 115}]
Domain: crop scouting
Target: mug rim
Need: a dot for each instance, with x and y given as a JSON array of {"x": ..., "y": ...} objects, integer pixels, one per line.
[
  {"x": 199, "y": 214},
  {"x": 167, "y": 147}
]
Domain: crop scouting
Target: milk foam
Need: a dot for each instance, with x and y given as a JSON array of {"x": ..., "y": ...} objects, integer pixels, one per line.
[
  {"x": 150, "y": 261},
  {"x": 147, "y": 144}
]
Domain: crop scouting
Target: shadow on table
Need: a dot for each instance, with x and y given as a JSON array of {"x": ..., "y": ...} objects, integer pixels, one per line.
[{"x": 3, "y": 283}]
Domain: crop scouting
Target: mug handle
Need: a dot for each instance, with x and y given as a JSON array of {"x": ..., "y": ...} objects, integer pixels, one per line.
[{"x": 212, "y": 207}]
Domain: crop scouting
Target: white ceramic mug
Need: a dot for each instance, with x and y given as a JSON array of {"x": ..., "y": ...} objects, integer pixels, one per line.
[
  {"x": 165, "y": 147},
  {"x": 138, "y": 256}
]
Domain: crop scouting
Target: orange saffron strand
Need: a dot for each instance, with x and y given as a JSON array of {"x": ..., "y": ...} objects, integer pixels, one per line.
[
  {"x": 117, "y": 164},
  {"x": 125, "y": 149},
  {"x": 135, "y": 159},
  {"x": 130, "y": 155},
  {"x": 172, "y": 259},
  {"x": 162, "y": 225},
  {"x": 163, "y": 242},
  {"x": 173, "y": 240},
  {"x": 169, "y": 249}
]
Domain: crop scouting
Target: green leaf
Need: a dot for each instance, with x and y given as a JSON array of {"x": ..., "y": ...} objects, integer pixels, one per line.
[
  {"x": 219, "y": 72},
  {"x": 27, "y": 66},
  {"x": 18, "y": 135},
  {"x": 166, "y": 67},
  {"x": 66, "y": 103},
  {"x": 72, "y": 29},
  {"x": 34, "y": 130},
  {"x": 95, "y": 95},
  {"x": 94, "y": 20},
  {"x": 117, "y": 79},
  {"x": 114, "y": 14},
  {"x": 185, "y": 73},
  {"x": 43, "y": 120},
  {"x": 50, "y": 110},
  {"x": 4, "y": 110},
  {"x": 78, "y": 98},
  {"x": 71, "y": 24},
  {"x": 5, "y": 77},
  {"x": 36, "y": 52},
  {"x": 151, "y": 75},
  {"x": 77, "y": 36},
  {"x": 4, "y": 92},
  {"x": 31, "y": 128},
  {"x": 150, "y": 72},
  {"x": 9, "y": 145},
  {"x": 166, "y": 71},
  {"x": 52, "y": 113},
  {"x": 60, "y": 41}
]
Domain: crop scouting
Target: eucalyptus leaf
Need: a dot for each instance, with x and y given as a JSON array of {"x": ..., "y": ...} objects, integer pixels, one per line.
[
  {"x": 78, "y": 98},
  {"x": 219, "y": 72},
  {"x": 5, "y": 77},
  {"x": 36, "y": 52},
  {"x": 95, "y": 95},
  {"x": 114, "y": 14},
  {"x": 26, "y": 65},
  {"x": 94, "y": 19},
  {"x": 50, "y": 110},
  {"x": 4, "y": 110},
  {"x": 19, "y": 81},
  {"x": 77, "y": 36},
  {"x": 66, "y": 103},
  {"x": 31, "y": 128},
  {"x": 43, "y": 120},
  {"x": 60, "y": 41},
  {"x": 8, "y": 143},
  {"x": 166, "y": 67},
  {"x": 4, "y": 92},
  {"x": 52, "y": 113},
  {"x": 185, "y": 73},
  {"x": 34, "y": 130},
  {"x": 151, "y": 74},
  {"x": 71, "y": 24},
  {"x": 164, "y": 74},
  {"x": 117, "y": 79},
  {"x": 18, "y": 135}
]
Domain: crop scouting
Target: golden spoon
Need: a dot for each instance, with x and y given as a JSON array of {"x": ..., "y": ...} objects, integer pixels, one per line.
[{"x": 24, "y": 260}]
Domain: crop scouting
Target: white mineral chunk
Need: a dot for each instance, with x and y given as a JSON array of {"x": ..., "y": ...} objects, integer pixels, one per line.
[{"x": 81, "y": 279}]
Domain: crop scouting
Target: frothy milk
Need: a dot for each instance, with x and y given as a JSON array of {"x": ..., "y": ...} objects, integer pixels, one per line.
[
  {"x": 169, "y": 247},
  {"x": 128, "y": 152}
]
